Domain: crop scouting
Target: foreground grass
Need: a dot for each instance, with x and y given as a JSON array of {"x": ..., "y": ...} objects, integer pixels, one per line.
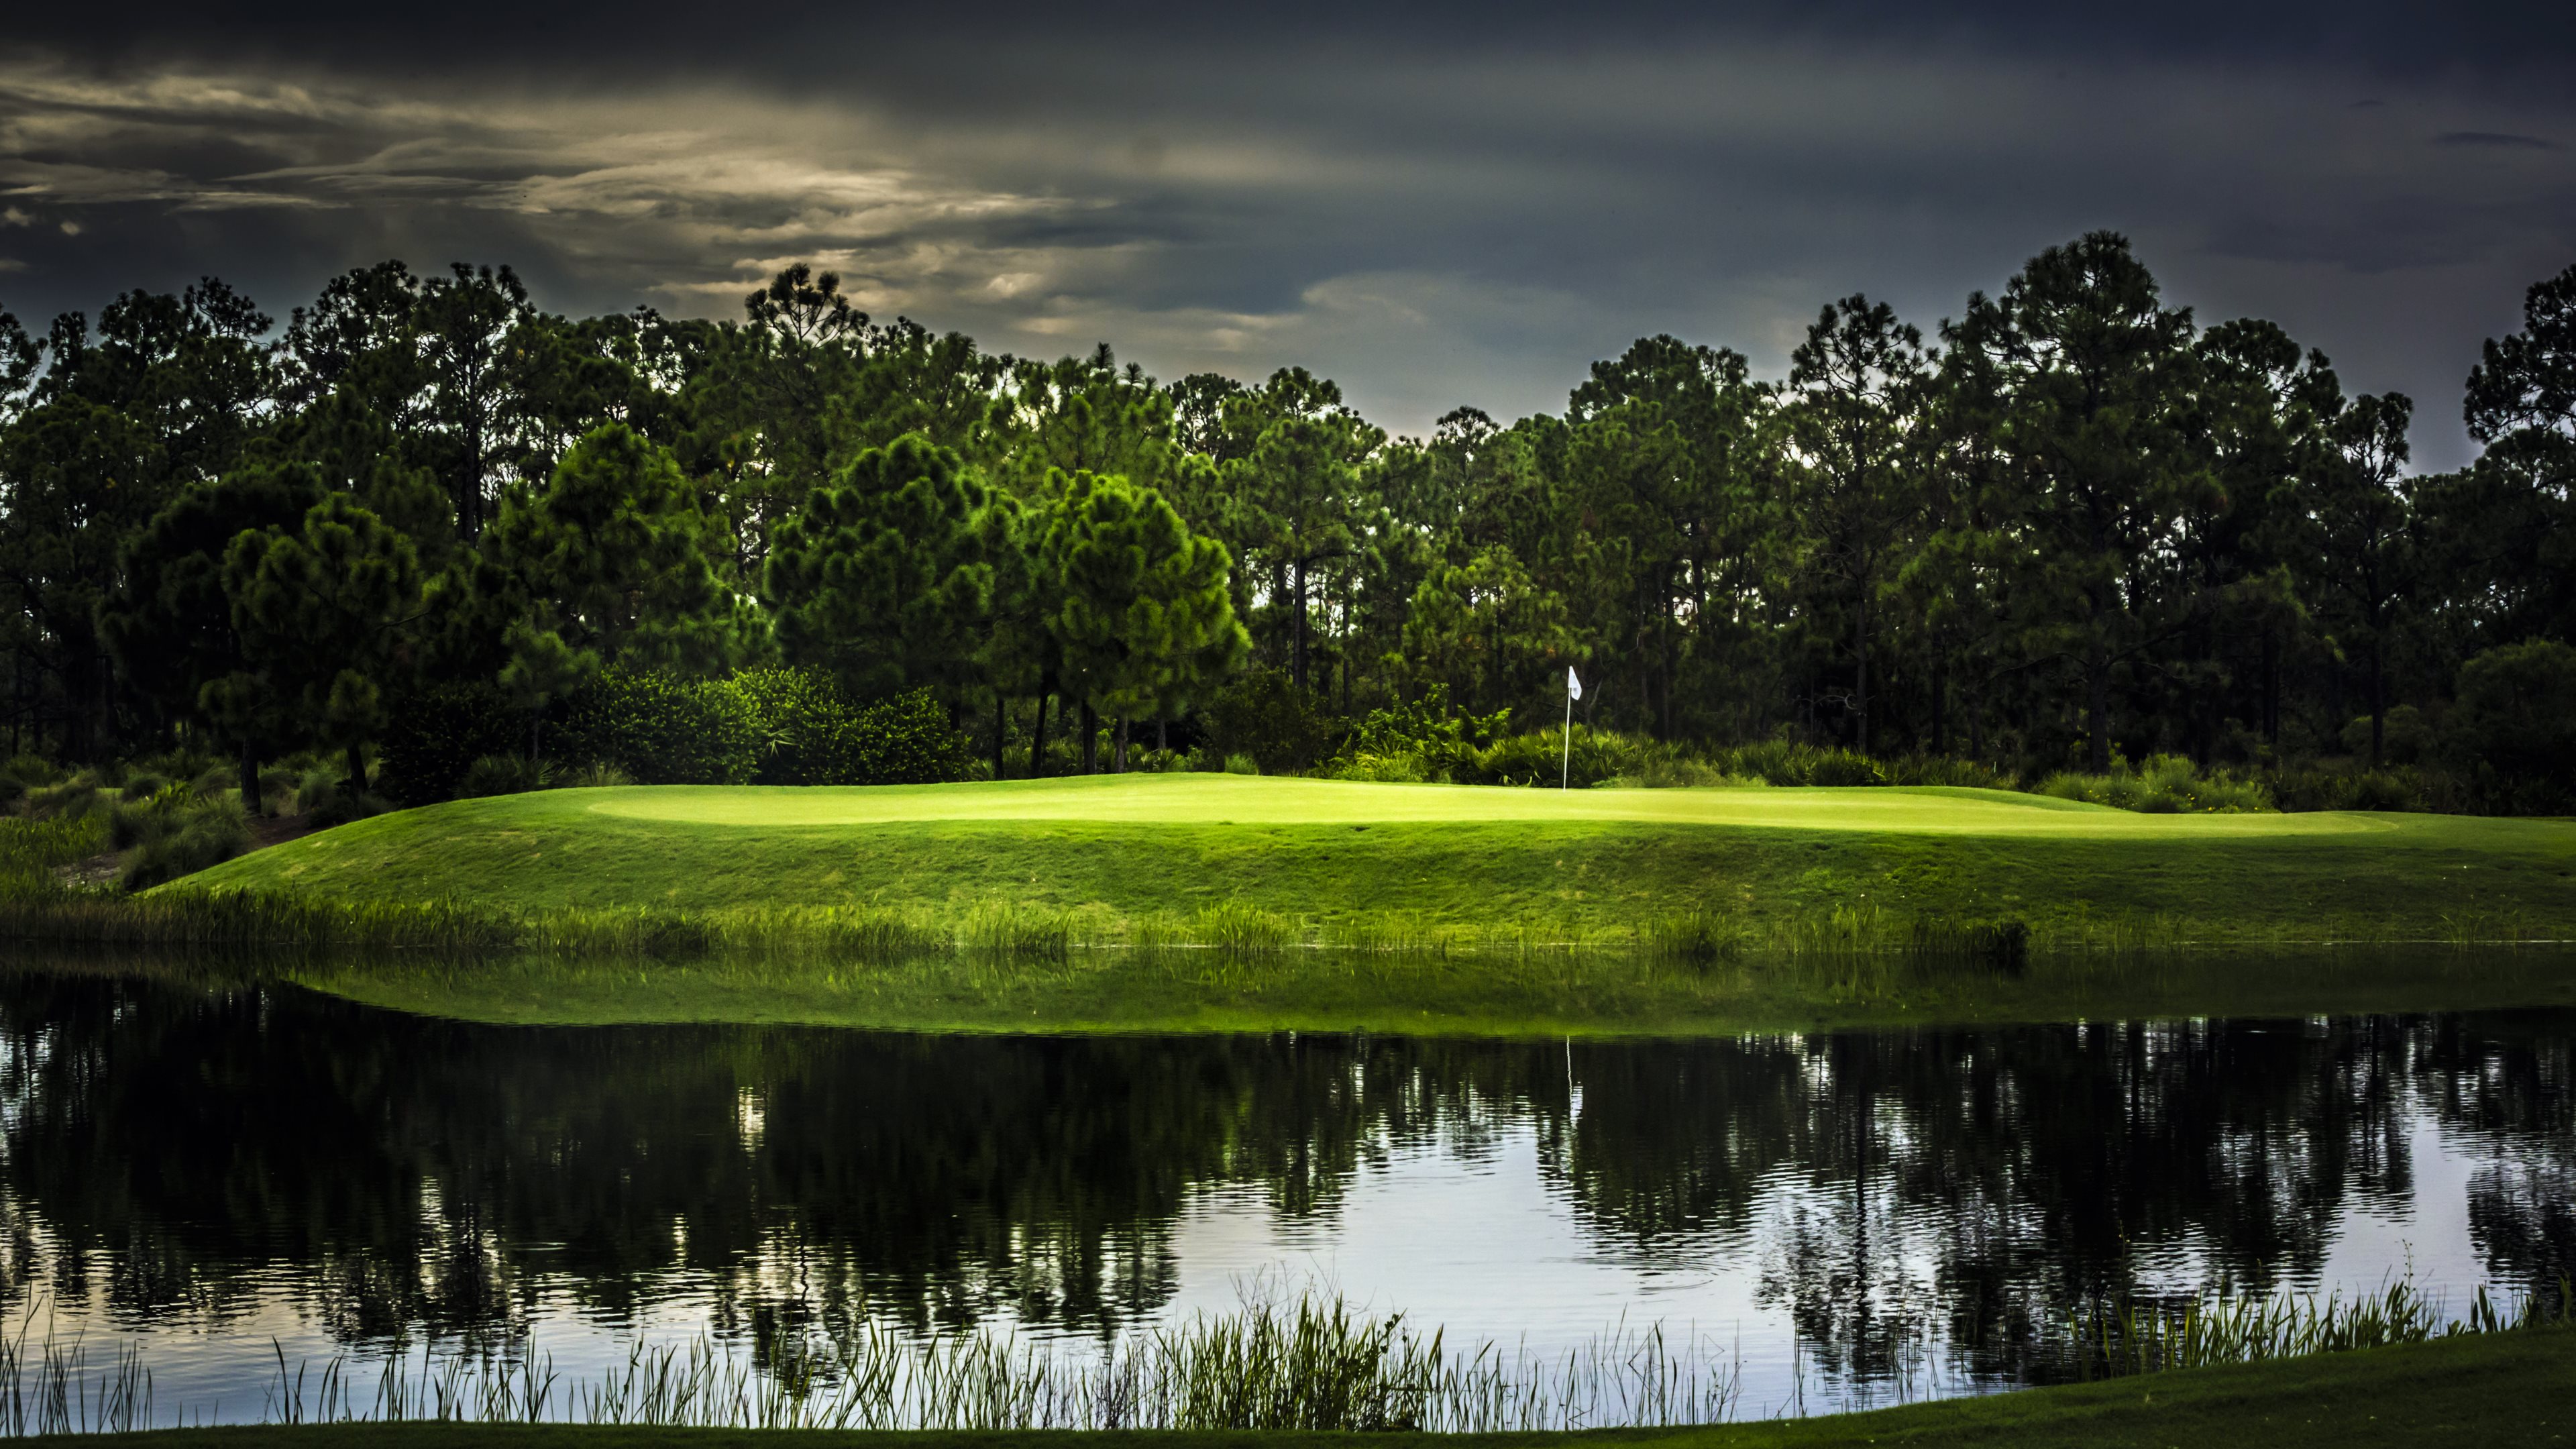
[
  {"x": 1157, "y": 858},
  {"x": 2482, "y": 1389}
]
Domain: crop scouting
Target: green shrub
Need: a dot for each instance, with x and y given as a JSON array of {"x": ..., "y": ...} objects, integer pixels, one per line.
[
  {"x": 811, "y": 733},
  {"x": 1790, "y": 762},
  {"x": 36, "y": 847},
  {"x": 1262, "y": 713},
  {"x": 1948, "y": 771},
  {"x": 2405, "y": 736},
  {"x": 31, "y": 771},
  {"x": 1546, "y": 757},
  {"x": 1242, "y": 765},
  {"x": 2165, "y": 785},
  {"x": 433, "y": 737},
  {"x": 1382, "y": 769},
  {"x": 1667, "y": 770},
  {"x": 325, "y": 800},
  {"x": 203, "y": 833},
  {"x": 660, "y": 729},
  {"x": 592, "y": 777},
  {"x": 2401, "y": 787},
  {"x": 1418, "y": 740},
  {"x": 2517, "y": 726},
  {"x": 72, "y": 798},
  {"x": 505, "y": 775}
]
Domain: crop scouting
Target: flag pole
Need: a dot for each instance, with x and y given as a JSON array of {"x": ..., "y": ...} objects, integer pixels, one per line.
[{"x": 1565, "y": 767}]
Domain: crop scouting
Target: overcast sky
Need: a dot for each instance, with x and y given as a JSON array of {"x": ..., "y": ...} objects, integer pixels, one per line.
[{"x": 1457, "y": 204}]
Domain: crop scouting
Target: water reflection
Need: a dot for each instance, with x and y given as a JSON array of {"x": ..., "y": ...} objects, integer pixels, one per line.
[{"x": 218, "y": 1158}]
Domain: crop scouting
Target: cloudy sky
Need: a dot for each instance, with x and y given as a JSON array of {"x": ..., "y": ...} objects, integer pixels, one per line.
[{"x": 1436, "y": 205}]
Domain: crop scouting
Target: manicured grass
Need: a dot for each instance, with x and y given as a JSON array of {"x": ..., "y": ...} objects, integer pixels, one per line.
[
  {"x": 1320, "y": 852},
  {"x": 2492, "y": 1389}
]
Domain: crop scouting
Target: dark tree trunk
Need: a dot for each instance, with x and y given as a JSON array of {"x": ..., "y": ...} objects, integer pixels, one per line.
[
  {"x": 1090, "y": 740},
  {"x": 2378, "y": 703},
  {"x": 1162, "y": 736},
  {"x": 1860, "y": 651},
  {"x": 1297, "y": 644},
  {"x": 2271, "y": 687},
  {"x": 1037, "y": 742},
  {"x": 249, "y": 778},
  {"x": 1940, "y": 703},
  {"x": 1121, "y": 766},
  {"x": 357, "y": 771},
  {"x": 2097, "y": 702},
  {"x": 1001, "y": 729}
]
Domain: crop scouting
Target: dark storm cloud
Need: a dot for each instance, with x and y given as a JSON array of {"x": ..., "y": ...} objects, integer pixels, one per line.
[
  {"x": 1436, "y": 205},
  {"x": 2505, "y": 139}
]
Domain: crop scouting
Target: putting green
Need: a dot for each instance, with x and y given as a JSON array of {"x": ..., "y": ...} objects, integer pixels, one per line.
[
  {"x": 1128, "y": 851},
  {"x": 1207, "y": 799}
]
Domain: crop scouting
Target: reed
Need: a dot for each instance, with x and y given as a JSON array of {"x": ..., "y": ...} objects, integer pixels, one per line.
[
  {"x": 1309, "y": 1363},
  {"x": 2110, "y": 1340}
]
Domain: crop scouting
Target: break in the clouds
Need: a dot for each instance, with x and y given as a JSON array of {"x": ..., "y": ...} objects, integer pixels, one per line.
[{"x": 1448, "y": 207}]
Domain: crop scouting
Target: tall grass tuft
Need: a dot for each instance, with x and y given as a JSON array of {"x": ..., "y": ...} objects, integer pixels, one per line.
[{"x": 2116, "y": 1339}]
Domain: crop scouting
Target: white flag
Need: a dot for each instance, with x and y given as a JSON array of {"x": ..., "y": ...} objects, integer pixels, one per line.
[{"x": 1573, "y": 686}]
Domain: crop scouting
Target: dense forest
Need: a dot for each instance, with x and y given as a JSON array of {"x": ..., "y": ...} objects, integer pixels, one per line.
[{"x": 425, "y": 529}]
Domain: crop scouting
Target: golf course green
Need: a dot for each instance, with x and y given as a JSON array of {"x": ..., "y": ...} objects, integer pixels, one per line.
[{"x": 1320, "y": 853}]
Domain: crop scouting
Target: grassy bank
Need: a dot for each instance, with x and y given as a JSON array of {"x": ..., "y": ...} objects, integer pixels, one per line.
[
  {"x": 1588, "y": 994},
  {"x": 1215, "y": 859},
  {"x": 2508, "y": 1388}
]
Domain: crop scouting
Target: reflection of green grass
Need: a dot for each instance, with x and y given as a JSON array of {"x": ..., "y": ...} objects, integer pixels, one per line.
[
  {"x": 2485, "y": 1389},
  {"x": 1326, "y": 854},
  {"x": 1534, "y": 994}
]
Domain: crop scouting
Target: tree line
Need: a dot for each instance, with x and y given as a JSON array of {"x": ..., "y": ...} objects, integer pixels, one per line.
[{"x": 2067, "y": 527}]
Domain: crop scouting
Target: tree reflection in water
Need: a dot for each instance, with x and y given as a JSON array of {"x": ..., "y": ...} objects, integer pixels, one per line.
[{"x": 176, "y": 1153}]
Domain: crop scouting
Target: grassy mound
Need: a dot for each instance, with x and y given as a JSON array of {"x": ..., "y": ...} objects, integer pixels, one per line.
[{"x": 1331, "y": 856}]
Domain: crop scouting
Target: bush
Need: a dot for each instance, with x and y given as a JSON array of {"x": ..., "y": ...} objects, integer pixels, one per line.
[
  {"x": 2517, "y": 726},
  {"x": 810, "y": 733},
  {"x": 2166, "y": 785},
  {"x": 325, "y": 800},
  {"x": 504, "y": 775},
  {"x": 1418, "y": 740},
  {"x": 1262, "y": 713},
  {"x": 2405, "y": 736},
  {"x": 1789, "y": 762},
  {"x": 203, "y": 833},
  {"x": 434, "y": 736},
  {"x": 31, "y": 771},
  {"x": 1947, "y": 771},
  {"x": 592, "y": 777},
  {"x": 2319, "y": 787},
  {"x": 1544, "y": 757},
  {"x": 1242, "y": 765},
  {"x": 660, "y": 729},
  {"x": 71, "y": 799}
]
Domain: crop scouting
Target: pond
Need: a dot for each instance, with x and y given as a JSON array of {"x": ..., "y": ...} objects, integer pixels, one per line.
[{"x": 225, "y": 1177}]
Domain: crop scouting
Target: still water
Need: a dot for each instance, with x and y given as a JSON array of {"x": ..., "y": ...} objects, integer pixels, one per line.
[{"x": 229, "y": 1175}]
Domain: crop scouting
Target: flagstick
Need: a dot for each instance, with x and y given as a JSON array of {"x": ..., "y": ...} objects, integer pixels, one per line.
[{"x": 1565, "y": 768}]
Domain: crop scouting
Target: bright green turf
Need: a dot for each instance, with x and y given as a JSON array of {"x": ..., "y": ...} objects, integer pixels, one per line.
[
  {"x": 1317, "y": 851},
  {"x": 2483, "y": 1391}
]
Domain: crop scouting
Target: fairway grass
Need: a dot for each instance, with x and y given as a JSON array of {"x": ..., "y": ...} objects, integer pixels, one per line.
[
  {"x": 2480, "y": 1390},
  {"x": 1156, "y": 853}
]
